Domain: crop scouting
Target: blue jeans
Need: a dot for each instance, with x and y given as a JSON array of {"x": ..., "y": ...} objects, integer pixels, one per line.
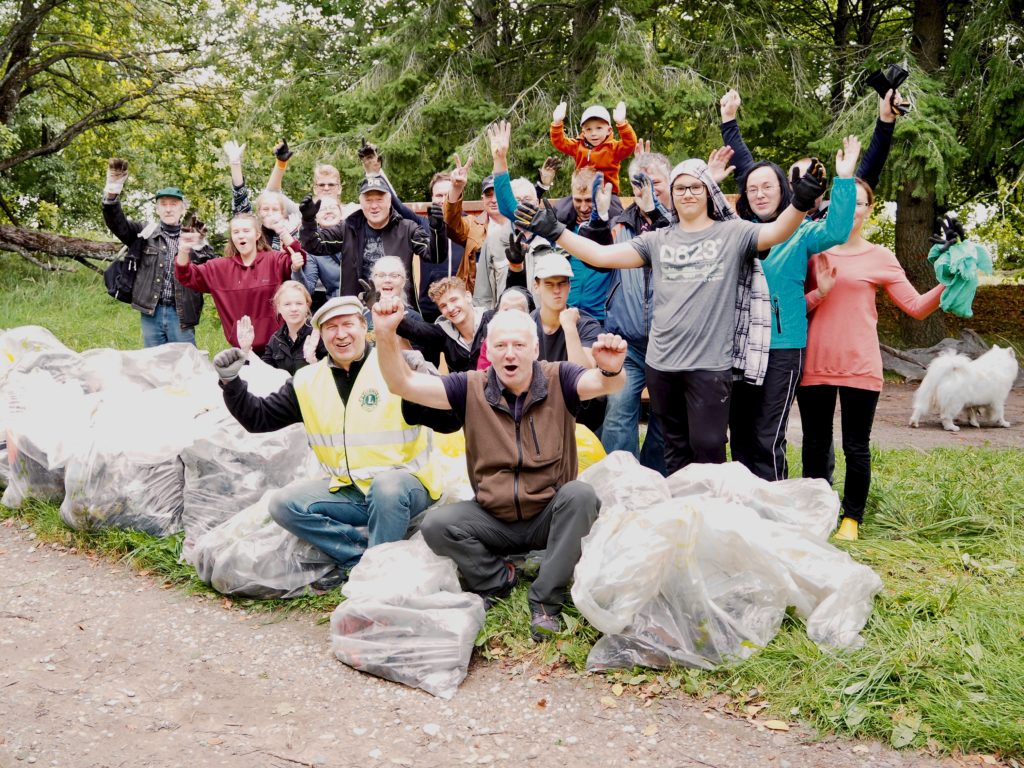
[
  {"x": 621, "y": 430},
  {"x": 163, "y": 327},
  {"x": 333, "y": 522}
]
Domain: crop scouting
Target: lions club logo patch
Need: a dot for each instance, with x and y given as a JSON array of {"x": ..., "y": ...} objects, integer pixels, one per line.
[{"x": 369, "y": 399}]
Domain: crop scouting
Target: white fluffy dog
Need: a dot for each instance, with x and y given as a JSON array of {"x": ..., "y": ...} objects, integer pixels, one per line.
[{"x": 954, "y": 384}]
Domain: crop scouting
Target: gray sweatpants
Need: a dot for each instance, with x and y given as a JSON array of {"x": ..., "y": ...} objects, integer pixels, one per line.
[{"x": 478, "y": 542}]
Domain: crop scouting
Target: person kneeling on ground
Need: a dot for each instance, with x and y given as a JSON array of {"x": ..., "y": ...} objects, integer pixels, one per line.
[
  {"x": 519, "y": 419},
  {"x": 378, "y": 464}
]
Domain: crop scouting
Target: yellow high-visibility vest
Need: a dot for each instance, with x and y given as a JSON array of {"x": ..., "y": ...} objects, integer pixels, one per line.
[{"x": 355, "y": 443}]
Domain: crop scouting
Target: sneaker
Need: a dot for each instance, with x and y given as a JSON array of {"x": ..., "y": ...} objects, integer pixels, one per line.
[
  {"x": 330, "y": 580},
  {"x": 544, "y": 625},
  {"x": 511, "y": 579}
]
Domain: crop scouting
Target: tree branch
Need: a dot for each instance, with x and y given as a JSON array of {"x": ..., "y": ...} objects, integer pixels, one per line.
[{"x": 18, "y": 239}]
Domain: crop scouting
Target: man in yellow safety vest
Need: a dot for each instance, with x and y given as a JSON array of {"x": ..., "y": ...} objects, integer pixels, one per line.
[{"x": 378, "y": 467}]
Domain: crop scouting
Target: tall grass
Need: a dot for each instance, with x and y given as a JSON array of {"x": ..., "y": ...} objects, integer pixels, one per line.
[{"x": 942, "y": 664}]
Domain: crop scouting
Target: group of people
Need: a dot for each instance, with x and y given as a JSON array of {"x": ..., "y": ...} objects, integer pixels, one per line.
[{"x": 545, "y": 313}]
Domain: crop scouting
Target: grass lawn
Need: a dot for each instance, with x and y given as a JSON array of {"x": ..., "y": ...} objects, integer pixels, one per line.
[{"x": 943, "y": 664}]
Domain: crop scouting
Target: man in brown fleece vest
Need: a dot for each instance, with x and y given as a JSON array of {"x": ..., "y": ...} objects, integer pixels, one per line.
[{"x": 519, "y": 417}]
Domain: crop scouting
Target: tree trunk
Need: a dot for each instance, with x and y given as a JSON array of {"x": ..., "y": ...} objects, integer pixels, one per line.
[
  {"x": 914, "y": 219},
  {"x": 21, "y": 240}
]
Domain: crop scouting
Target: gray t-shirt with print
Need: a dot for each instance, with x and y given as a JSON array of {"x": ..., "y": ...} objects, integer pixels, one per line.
[{"x": 695, "y": 275}]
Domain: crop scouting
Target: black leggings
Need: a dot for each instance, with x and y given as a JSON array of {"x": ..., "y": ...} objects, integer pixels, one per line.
[
  {"x": 817, "y": 407},
  {"x": 693, "y": 408}
]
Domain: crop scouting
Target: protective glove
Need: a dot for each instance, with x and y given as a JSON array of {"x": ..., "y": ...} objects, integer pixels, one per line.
[
  {"x": 309, "y": 208},
  {"x": 619, "y": 113},
  {"x": 192, "y": 223},
  {"x": 540, "y": 221},
  {"x": 435, "y": 216},
  {"x": 952, "y": 232},
  {"x": 558, "y": 116},
  {"x": 228, "y": 363},
  {"x": 644, "y": 186},
  {"x": 601, "y": 194},
  {"x": 809, "y": 187},
  {"x": 549, "y": 170},
  {"x": 515, "y": 252},
  {"x": 233, "y": 151},
  {"x": 369, "y": 156},
  {"x": 281, "y": 151},
  {"x": 368, "y": 295},
  {"x": 420, "y": 242},
  {"x": 117, "y": 174}
]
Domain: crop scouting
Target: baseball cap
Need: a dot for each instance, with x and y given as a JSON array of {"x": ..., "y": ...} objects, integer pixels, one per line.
[
  {"x": 552, "y": 264},
  {"x": 169, "y": 192},
  {"x": 373, "y": 184},
  {"x": 596, "y": 111},
  {"x": 339, "y": 305},
  {"x": 487, "y": 184}
]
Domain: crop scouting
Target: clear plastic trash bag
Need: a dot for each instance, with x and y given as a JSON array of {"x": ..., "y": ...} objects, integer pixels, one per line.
[
  {"x": 406, "y": 619},
  {"x": 250, "y": 555}
]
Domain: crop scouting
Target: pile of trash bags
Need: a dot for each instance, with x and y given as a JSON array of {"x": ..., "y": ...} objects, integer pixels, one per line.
[
  {"x": 698, "y": 569},
  {"x": 407, "y": 619}
]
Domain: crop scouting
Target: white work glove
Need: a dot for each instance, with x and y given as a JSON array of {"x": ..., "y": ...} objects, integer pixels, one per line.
[
  {"x": 117, "y": 174},
  {"x": 228, "y": 363},
  {"x": 558, "y": 116},
  {"x": 234, "y": 151},
  {"x": 619, "y": 113}
]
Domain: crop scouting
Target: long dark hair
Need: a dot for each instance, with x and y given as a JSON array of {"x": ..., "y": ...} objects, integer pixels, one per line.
[
  {"x": 261, "y": 239},
  {"x": 743, "y": 204}
]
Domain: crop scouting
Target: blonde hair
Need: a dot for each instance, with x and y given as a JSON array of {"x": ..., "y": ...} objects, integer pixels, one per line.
[
  {"x": 261, "y": 240},
  {"x": 440, "y": 287},
  {"x": 292, "y": 285},
  {"x": 323, "y": 169},
  {"x": 583, "y": 179},
  {"x": 275, "y": 198}
]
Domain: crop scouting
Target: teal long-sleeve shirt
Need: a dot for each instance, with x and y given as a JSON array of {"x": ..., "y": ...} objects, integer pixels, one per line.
[{"x": 786, "y": 266}]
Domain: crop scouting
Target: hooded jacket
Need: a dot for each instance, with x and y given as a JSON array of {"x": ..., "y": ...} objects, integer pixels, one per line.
[{"x": 606, "y": 157}]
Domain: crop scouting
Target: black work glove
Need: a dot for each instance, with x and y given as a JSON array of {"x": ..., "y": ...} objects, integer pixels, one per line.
[
  {"x": 540, "y": 221},
  {"x": 809, "y": 187},
  {"x": 368, "y": 295},
  {"x": 515, "y": 252},
  {"x": 951, "y": 232},
  {"x": 435, "y": 215},
  {"x": 228, "y": 363},
  {"x": 193, "y": 223},
  {"x": 309, "y": 208},
  {"x": 281, "y": 151},
  {"x": 368, "y": 150}
]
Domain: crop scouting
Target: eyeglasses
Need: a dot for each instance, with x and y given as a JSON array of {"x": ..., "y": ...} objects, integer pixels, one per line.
[
  {"x": 764, "y": 189},
  {"x": 327, "y": 185},
  {"x": 389, "y": 275},
  {"x": 696, "y": 190}
]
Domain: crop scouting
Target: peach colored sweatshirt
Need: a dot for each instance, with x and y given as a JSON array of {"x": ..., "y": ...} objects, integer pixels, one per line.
[{"x": 842, "y": 333}]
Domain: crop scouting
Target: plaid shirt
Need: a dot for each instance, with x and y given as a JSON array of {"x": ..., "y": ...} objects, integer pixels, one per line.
[{"x": 753, "y": 337}]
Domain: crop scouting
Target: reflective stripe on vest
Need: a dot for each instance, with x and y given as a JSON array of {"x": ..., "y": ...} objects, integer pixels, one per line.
[{"x": 373, "y": 436}]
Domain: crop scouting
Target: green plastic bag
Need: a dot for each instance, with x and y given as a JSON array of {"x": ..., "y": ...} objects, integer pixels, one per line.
[{"x": 957, "y": 268}]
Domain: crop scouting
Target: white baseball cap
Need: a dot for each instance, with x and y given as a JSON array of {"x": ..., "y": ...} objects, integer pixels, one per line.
[
  {"x": 595, "y": 111},
  {"x": 552, "y": 264}
]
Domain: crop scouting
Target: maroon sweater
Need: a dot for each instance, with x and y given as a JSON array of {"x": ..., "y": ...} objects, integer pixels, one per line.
[{"x": 240, "y": 290}]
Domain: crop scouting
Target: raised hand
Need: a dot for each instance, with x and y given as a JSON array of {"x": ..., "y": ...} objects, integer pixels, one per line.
[
  {"x": 234, "y": 151},
  {"x": 824, "y": 275},
  {"x": 609, "y": 352},
  {"x": 558, "y": 116},
  {"x": 515, "y": 251},
  {"x": 281, "y": 151},
  {"x": 846, "y": 157},
  {"x": 601, "y": 193},
  {"x": 369, "y": 294},
  {"x": 809, "y": 187},
  {"x": 643, "y": 192},
  {"x": 310, "y": 345},
  {"x": 188, "y": 240},
  {"x": 245, "y": 333},
  {"x": 297, "y": 261},
  {"x": 568, "y": 318},
  {"x": 540, "y": 221},
  {"x": 117, "y": 174},
  {"x": 952, "y": 231},
  {"x": 643, "y": 146},
  {"x": 619, "y": 113},
  {"x": 549, "y": 170},
  {"x": 729, "y": 105},
  {"x": 371, "y": 159},
  {"x": 499, "y": 136},
  {"x": 435, "y": 217},
  {"x": 718, "y": 164},
  {"x": 388, "y": 312},
  {"x": 460, "y": 176},
  {"x": 309, "y": 208},
  {"x": 229, "y": 362},
  {"x": 890, "y": 107}
]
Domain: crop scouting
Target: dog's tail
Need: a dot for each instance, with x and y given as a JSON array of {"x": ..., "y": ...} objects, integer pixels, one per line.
[{"x": 926, "y": 397}]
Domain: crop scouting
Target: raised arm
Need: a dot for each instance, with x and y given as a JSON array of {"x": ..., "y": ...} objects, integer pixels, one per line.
[
  {"x": 870, "y": 169},
  {"x": 315, "y": 239},
  {"x": 544, "y": 222},
  {"x": 742, "y": 157},
  {"x": 120, "y": 226},
  {"x": 401, "y": 379},
  {"x": 281, "y": 156},
  {"x": 607, "y": 377}
]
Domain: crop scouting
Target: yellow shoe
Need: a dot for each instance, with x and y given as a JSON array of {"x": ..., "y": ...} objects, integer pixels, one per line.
[{"x": 847, "y": 530}]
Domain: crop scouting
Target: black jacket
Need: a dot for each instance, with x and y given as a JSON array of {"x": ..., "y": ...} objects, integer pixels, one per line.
[
  {"x": 281, "y": 352},
  {"x": 151, "y": 255},
  {"x": 401, "y": 237}
]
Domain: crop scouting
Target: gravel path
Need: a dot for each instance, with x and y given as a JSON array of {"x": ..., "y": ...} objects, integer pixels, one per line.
[{"x": 102, "y": 666}]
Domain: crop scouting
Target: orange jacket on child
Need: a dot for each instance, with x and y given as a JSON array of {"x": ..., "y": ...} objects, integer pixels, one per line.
[{"x": 605, "y": 157}]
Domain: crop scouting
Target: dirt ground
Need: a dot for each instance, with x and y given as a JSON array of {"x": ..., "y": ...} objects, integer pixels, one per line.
[
  {"x": 103, "y": 667},
  {"x": 892, "y": 429}
]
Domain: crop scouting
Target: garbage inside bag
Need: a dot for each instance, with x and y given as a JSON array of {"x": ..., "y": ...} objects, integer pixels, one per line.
[
  {"x": 250, "y": 555},
  {"x": 28, "y": 477},
  {"x": 28, "y": 340},
  {"x": 406, "y": 620},
  {"x": 705, "y": 579},
  {"x": 110, "y": 490}
]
